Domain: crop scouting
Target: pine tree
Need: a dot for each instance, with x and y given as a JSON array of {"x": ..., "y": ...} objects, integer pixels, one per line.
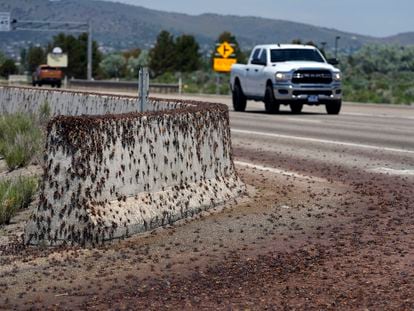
[
  {"x": 188, "y": 56},
  {"x": 8, "y": 68},
  {"x": 163, "y": 56},
  {"x": 35, "y": 56}
]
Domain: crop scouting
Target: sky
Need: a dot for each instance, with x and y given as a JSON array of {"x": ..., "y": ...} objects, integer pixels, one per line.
[{"x": 370, "y": 17}]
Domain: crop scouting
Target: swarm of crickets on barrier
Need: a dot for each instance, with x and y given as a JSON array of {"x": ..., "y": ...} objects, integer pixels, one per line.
[{"x": 158, "y": 154}]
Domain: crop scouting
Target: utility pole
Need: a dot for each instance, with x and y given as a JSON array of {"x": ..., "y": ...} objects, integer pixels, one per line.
[
  {"x": 323, "y": 44},
  {"x": 89, "y": 66},
  {"x": 336, "y": 46}
]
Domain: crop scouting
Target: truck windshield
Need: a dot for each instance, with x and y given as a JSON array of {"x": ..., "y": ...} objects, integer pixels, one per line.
[{"x": 291, "y": 55}]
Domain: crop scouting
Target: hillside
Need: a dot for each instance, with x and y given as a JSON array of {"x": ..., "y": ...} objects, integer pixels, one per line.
[
  {"x": 120, "y": 26},
  {"x": 406, "y": 38}
]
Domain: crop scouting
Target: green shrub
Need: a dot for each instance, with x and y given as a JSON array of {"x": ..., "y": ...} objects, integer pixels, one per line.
[
  {"x": 379, "y": 74},
  {"x": 15, "y": 195},
  {"x": 44, "y": 112},
  {"x": 20, "y": 139}
]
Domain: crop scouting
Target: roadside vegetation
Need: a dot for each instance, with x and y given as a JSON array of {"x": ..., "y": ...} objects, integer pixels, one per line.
[
  {"x": 22, "y": 137},
  {"x": 173, "y": 58},
  {"x": 15, "y": 195},
  {"x": 379, "y": 74},
  {"x": 7, "y": 66},
  {"x": 21, "y": 143},
  {"x": 197, "y": 82}
]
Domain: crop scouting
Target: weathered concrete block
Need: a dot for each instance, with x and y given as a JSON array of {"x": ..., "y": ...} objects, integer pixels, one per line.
[{"x": 110, "y": 176}]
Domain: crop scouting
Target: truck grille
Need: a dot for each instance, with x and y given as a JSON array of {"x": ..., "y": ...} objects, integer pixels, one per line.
[
  {"x": 312, "y": 76},
  {"x": 311, "y": 92}
]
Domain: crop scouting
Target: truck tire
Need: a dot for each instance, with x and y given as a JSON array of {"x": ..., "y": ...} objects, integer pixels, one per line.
[
  {"x": 333, "y": 107},
  {"x": 239, "y": 100},
  {"x": 271, "y": 105},
  {"x": 296, "y": 108},
  {"x": 33, "y": 83}
]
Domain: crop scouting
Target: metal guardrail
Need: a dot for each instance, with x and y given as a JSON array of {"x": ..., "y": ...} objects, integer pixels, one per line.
[
  {"x": 131, "y": 86},
  {"x": 19, "y": 79}
]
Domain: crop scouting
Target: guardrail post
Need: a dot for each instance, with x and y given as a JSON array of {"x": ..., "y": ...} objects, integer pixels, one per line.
[
  {"x": 180, "y": 85},
  {"x": 143, "y": 88}
]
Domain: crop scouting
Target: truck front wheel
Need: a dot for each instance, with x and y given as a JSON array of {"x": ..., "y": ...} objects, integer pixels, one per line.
[
  {"x": 271, "y": 105},
  {"x": 333, "y": 107},
  {"x": 239, "y": 100}
]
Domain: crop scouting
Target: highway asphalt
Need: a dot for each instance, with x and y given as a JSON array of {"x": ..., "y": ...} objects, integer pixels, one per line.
[{"x": 367, "y": 137}]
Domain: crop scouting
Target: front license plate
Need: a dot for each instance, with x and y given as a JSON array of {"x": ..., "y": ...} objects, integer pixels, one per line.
[{"x": 313, "y": 99}]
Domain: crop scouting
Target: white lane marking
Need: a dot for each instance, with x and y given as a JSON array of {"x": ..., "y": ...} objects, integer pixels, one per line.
[
  {"x": 278, "y": 171},
  {"x": 304, "y": 120},
  {"x": 377, "y": 115},
  {"x": 323, "y": 141},
  {"x": 391, "y": 171}
]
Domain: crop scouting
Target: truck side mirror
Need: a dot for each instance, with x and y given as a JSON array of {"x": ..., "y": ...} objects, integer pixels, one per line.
[{"x": 333, "y": 61}]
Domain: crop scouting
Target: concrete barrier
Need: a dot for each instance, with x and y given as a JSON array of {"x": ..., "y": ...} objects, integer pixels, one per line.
[
  {"x": 72, "y": 103},
  {"x": 110, "y": 176}
]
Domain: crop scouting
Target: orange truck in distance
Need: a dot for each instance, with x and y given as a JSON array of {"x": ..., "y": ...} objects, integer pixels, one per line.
[{"x": 45, "y": 74}]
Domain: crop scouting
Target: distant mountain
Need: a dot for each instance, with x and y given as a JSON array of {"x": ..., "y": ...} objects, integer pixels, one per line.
[
  {"x": 121, "y": 26},
  {"x": 406, "y": 38}
]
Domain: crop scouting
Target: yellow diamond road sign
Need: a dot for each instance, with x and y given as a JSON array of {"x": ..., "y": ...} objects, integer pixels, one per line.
[{"x": 225, "y": 50}]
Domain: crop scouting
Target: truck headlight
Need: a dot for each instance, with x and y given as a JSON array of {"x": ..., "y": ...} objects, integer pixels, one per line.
[
  {"x": 283, "y": 76},
  {"x": 337, "y": 76}
]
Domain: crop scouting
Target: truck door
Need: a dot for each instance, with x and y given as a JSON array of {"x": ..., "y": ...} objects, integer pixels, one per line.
[
  {"x": 257, "y": 75},
  {"x": 248, "y": 83}
]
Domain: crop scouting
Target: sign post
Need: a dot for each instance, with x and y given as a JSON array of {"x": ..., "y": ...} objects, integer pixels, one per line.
[{"x": 224, "y": 58}]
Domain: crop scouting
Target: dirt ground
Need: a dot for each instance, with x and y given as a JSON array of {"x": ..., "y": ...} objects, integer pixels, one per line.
[{"x": 342, "y": 241}]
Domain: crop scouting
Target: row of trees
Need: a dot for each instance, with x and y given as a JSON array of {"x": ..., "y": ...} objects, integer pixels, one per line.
[
  {"x": 124, "y": 65},
  {"x": 169, "y": 54},
  {"x": 182, "y": 54}
]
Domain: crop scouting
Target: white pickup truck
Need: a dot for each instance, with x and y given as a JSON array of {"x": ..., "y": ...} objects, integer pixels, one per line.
[{"x": 287, "y": 74}]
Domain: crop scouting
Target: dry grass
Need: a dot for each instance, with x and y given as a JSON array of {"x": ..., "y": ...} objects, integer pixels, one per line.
[
  {"x": 21, "y": 139},
  {"x": 15, "y": 195}
]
